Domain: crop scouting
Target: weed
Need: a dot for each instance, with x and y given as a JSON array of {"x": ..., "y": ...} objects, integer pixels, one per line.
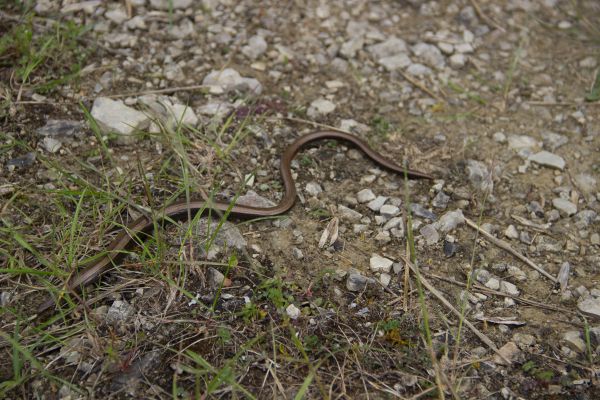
[{"x": 43, "y": 58}]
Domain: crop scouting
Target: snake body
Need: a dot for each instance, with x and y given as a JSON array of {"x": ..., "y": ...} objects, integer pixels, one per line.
[{"x": 181, "y": 210}]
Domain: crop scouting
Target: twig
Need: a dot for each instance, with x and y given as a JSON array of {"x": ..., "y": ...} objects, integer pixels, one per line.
[
  {"x": 505, "y": 246},
  {"x": 445, "y": 302},
  {"x": 421, "y": 86},
  {"x": 561, "y": 104},
  {"x": 160, "y": 91},
  {"x": 484, "y": 17}
]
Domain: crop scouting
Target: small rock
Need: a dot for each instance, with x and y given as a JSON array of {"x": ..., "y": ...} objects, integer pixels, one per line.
[
  {"x": 357, "y": 282},
  {"x": 62, "y": 128},
  {"x": 450, "y": 220},
  {"x": 508, "y": 288},
  {"x": 388, "y": 210},
  {"x": 119, "y": 311},
  {"x": 430, "y": 54},
  {"x": 389, "y": 47},
  {"x": 255, "y": 48},
  {"x": 420, "y": 211},
  {"x": 511, "y": 232},
  {"x": 586, "y": 182},
  {"x": 51, "y": 145},
  {"x": 493, "y": 283},
  {"x": 588, "y": 62},
  {"x": 524, "y": 340},
  {"x": 313, "y": 188},
  {"x": 457, "y": 61},
  {"x": 564, "y": 206},
  {"x": 253, "y": 199},
  {"x": 430, "y": 234},
  {"x": 365, "y": 195},
  {"x": 394, "y": 222},
  {"x": 228, "y": 80},
  {"x": 574, "y": 341},
  {"x": 440, "y": 200},
  {"x": 548, "y": 159},
  {"x": 385, "y": 279},
  {"x": 380, "y": 264},
  {"x": 510, "y": 351},
  {"x": 298, "y": 254},
  {"x": 352, "y": 46},
  {"x": 215, "y": 278},
  {"x": 292, "y": 311},
  {"x": 376, "y": 204},
  {"x": 417, "y": 69},
  {"x": 553, "y": 140},
  {"x": 480, "y": 176},
  {"x": 113, "y": 116},
  {"x": 450, "y": 248},
  {"x": 22, "y": 162},
  {"x": 349, "y": 214},
  {"x": 396, "y": 62},
  {"x": 320, "y": 107},
  {"x": 590, "y": 306}
]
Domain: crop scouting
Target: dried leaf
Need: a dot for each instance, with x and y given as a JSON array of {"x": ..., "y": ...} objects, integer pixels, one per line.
[
  {"x": 330, "y": 232},
  {"x": 563, "y": 275}
]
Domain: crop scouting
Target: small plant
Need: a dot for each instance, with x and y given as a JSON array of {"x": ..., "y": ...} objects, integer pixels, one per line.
[{"x": 43, "y": 57}]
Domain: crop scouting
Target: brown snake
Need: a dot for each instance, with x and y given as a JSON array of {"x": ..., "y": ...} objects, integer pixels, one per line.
[{"x": 182, "y": 209}]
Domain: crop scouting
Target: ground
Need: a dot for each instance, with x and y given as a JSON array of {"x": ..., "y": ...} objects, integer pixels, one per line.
[{"x": 497, "y": 100}]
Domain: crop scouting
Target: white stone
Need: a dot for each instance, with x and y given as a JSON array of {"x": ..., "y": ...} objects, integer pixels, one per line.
[
  {"x": 511, "y": 232},
  {"x": 257, "y": 45},
  {"x": 508, "y": 288},
  {"x": 292, "y": 311},
  {"x": 376, "y": 204},
  {"x": 385, "y": 279},
  {"x": 564, "y": 206},
  {"x": 365, "y": 195},
  {"x": 229, "y": 79},
  {"x": 113, "y": 116},
  {"x": 380, "y": 264},
  {"x": 349, "y": 214},
  {"x": 320, "y": 107},
  {"x": 51, "y": 145},
  {"x": 313, "y": 188},
  {"x": 388, "y": 210},
  {"x": 548, "y": 159}
]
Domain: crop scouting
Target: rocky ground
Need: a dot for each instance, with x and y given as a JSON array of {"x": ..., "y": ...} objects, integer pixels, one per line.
[{"x": 112, "y": 109}]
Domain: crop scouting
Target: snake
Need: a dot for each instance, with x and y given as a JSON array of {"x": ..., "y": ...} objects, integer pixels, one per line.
[{"x": 183, "y": 209}]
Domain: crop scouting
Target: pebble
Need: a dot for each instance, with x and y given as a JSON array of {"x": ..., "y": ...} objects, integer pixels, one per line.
[
  {"x": 440, "y": 200},
  {"x": 417, "y": 69},
  {"x": 62, "y": 128},
  {"x": 420, "y": 211},
  {"x": 479, "y": 175},
  {"x": 215, "y": 278},
  {"x": 320, "y": 107},
  {"x": 365, "y": 195},
  {"x": 524, "y": 340},
  {"x": 253, "y": 199},
  {"x": 113, "y": 116},
  {"x": 508, "y": 288},
  {"x": 22, "y": 162},
  {"x": 357, "y": 282},
  {"x": 458, "y": 61},
  {"x": 119, "y": 311},
  {"x": 450, "y": 221},
  {"x": 450, "y": 248},
  {"x": 222, "y": 81},
  {"x": 586, "y": 183},
  {"x": 574, "y": 341},
  {"x": 510, "y": 351},
  {"x": 397, "y": 61},
  {"x": 493, "y": 283},
  {"x": 256, "y": 46},
  {"x": 588, "y": 62},
  {"x": 553, "y": 140},
  {"x": 297, "y": 253},
  {"x": 388, "y": 210},
  {"x": 590, "y": 306},
  {"x": 349, "y": 214},
  {"x": 548, "y": 159},
  {"x": 430, "y": 54},
  {"x": 387, "y": 48},
  {"x": 430, "y": 234},
  {"x": 375, "y": 205},
  {"x": 385, "y": 279},
  {"x": 313, "y": 188},
  {"x": 380, "y": 264},
  {"x": 511, "y": 232},
  {"x": 51, "y": 145},
  {"x": 292, "y": 311},
  {"x": 564, "y": 206},
  {"x": 395, "y": 222}
]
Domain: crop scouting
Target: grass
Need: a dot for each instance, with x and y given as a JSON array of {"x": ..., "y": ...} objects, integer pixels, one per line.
[{"x": 43, "y": 56}]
